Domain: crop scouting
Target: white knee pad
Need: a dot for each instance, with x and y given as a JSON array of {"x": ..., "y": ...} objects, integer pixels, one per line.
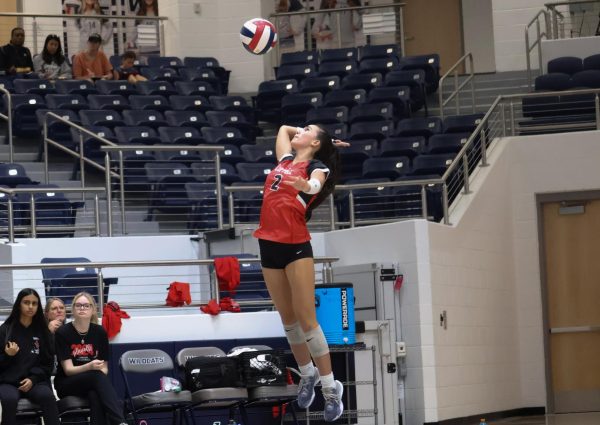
[
  {"x": 294, "y": 334},
  {"x": 317, "y": 344}
]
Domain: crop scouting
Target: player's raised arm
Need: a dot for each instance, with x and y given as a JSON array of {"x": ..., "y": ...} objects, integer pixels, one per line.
[{"x": 283, "y": 143}]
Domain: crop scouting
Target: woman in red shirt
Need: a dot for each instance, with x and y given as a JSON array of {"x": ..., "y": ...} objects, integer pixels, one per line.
[{"x": 303, "y": 178}]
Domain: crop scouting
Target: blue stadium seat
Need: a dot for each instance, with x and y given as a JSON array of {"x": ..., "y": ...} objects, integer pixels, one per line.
[
  {"x": 203, "y": 199},
  {"x": 566, "y": 65},
  {"x": 180, "y": 136},
  {"x": 541, "y": 106},
  {"x": 12, "y": 175},
  {"x": 165, "y": 62},
  {"x": 161, "y": 88},
  {"x": 447, "y": 143},
  {"x": 410, "y": 146},
  {"x": 195, "y": 88},
  {"x": 32, "y": 86},
  {"x": 7, "y": 84},
  {"x": 341, "y": 69},
  {"x": 168, "y": 180},
  {"x": 224, "y": 135},
  {"x": 347, "y": 98},
  {"x": 134, "y": 164},
  {"x": 425, "y": 127},
  {"x": 74, "y": 102},
  {"x": 365, "y": 81},
  {"x": 58, "y": 131},
  {"x": 233, "y": 103},
  {"x": 354, "y": 156},
  {"x": 377, "y": 130},
  {"x": 82, "y": 87},
  {"x": 337, "y": 131},
  {"x": 339, "y": 55},
  {"x": 553, "y": 82},
  {"x": 387, "y": 167},
  {"x": 586, "y": 79},
  {"x": 592, "y": 62},
  {"x": 24, "y": 107},
  {"x": 206, "y": 172},
  {"x": 322, "y": 85},
  {"x": 399, "y": 97},
  {"x": 186, "y": 156},
  {"x": 233, "y": 119},
  {"x": 115, "y": 87},
  {"x": 431, "y": 164},
  {"x": 295, "y": 106},
  {"x": 413, "y": 79},
  {"x": 206, "y": 75},
  {"x": 296, "y": 72},
  {"x": 371, "y": 112},
  {"x": 144, "y": 117},
  {"x": 213, "y": 64},
  {"x": 141, "y": 135},
  {"x": 190, "y": 103},
  {"x": 258, "y": 153},
  {"x": 155, "y": 102},
  {"x": 91, "y": 146},
  {"x": 246, "y": 208},
  {"x": 161, "y": 74},
  {"x": 369, "y": 203},
  {"x": 194, "y": 119},
  {"x": 299, "y": 58},
  {"x": 327, "y": 115},
  {"x": 230, "y": 155},
  {"x": 379, "y": 65},
  {"x": 462, "y": 123},
  {"x": 253, "y": 171},
  {"x": 267, "y": 101},
  {"x": 385, "y": 51},
  {"x": 428, "y": 63},
  {"x": 112, "y": 102}
]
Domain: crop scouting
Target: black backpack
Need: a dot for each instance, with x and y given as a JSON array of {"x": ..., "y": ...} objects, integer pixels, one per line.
[{"x": 212, "y": 372}]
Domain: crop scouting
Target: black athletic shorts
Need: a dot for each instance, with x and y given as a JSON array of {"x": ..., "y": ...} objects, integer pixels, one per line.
[{"x": 277, "y": 255}]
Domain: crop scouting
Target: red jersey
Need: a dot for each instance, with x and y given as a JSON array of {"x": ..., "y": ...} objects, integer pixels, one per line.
[{"x": 282, "y": 215}]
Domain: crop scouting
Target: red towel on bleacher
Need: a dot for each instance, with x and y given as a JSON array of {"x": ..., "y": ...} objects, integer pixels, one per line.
[
  {"x": 179, "y": 294},
  {"x": 228, "y": 273},
  {"x": 111, "y": 318}
]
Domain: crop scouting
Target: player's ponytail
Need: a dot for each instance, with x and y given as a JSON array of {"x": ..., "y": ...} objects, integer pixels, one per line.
[{"x": 328, "y": 154}]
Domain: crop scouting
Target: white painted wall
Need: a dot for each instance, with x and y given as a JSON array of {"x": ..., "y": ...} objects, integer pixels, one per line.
[
  {"x": 578, "y": 47},
  {"x": 478, "y": 33}
]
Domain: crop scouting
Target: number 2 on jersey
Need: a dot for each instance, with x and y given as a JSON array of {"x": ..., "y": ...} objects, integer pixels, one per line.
[{"x": 276, "y": 182}]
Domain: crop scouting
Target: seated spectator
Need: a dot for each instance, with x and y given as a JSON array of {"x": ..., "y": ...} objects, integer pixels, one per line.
[
  {"x": 51, "y": 64},
  {"x": 92, "y": 64},
  {"x": 26, "y": 360},
  {"x": 56, "y": 313},
  {"x": 17, "y": 58},
  {"x": 290, "y": 29},
  {"x": 127, "y": 70},
  {"x": 83, "y": 355}
]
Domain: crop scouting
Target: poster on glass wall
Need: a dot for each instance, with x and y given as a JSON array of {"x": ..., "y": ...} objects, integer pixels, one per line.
[{"x": 140, "y": 35}]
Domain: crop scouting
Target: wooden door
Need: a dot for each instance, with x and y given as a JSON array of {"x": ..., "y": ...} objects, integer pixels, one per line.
[
  {"x": 7, "y": 23},
  {"x": 434, "y": 26},
  {"x": 572, "y": 250}
]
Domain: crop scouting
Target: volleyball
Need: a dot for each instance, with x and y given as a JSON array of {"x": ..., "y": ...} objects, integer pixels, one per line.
[{"x": 258, "y": 36}]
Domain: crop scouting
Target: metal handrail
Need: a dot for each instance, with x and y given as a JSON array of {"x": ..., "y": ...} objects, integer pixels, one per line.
[
  {"x": 457, "y": 88},
  {"x": 8, "y": 118},
  {"x": 341, "y": 9},
  {"x": 214, "y": 287},
  {"x": 537, "y": 43},
  {"x": 34, "y": 228}
]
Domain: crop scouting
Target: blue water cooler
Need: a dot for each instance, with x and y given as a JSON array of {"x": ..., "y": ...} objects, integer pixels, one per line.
[{"x": 335, "y": 312}]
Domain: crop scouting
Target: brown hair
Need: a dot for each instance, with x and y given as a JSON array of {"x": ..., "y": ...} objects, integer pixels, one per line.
[
  {"x": 49, "y": 302},
  {"x": 94, "y": 318}
]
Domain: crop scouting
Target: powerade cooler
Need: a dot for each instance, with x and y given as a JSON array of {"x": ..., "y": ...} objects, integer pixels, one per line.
[{"x": 335, "y": 312}]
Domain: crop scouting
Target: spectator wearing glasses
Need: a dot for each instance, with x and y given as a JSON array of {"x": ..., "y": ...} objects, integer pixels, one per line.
[
  {"x": 56, "y": 313},
  {"x": 51, "y": 64},
  {"x": 83, "y": 355},
  {"x": 92, "y": 63},
  {"x": 17, "y": 58},
  {"x": 26, "y": 359}
]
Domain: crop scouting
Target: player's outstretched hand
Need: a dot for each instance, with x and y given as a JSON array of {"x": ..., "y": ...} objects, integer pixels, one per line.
[
  {"x": 340, "y": 143},
  {"x": 296, "y": 182}
]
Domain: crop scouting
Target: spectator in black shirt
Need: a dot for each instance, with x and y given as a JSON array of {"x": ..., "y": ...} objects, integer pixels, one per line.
[
  {"x": 26, "y": 361},
  {"x": 17, "y": 57}
]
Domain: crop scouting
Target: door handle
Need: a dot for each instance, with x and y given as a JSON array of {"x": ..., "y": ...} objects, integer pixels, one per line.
[{"x": 574, "y": 329}]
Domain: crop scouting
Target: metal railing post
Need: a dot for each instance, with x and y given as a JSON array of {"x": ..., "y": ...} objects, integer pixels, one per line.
[
  {"x": 81, "y": 165},
  {"x": 457, "y": 101},
  {"x": 11, "y": 217},
  {"x": 219, "y": 190},
  {"x": 339, "y": 30},
  {"x": 512, "y": 118},
  {"x": 214, "y": 286},
  {"x": 108, "y": 194},
  {"x": 46, "y": 170},
  {"x": 503, "y": 117},
  {"x": 402, "y": 35},
  {"x": 331, "y": 212},
  {"x": 161, "y": 37},
  {"x": 467, "y": 190},
  {"x": 351, "y": 205},
  {"x": 597, "y": 106},
  {"x": 445, "y": 203},
  {"x": 97, "y": 214},
  {"x": 100, "y": 282},
  {"x": 230, "y": 203},
  {"x": 33, "y": 219},
  {"x": 472, "y": 65},
  {"x": 35, "y": 35},
  {"x": 122, "y": 193},
  {"x": 8, "y": 98},
  {"x": 484, "y": 162},
  {"x": 424, "y": 202},
  {"x": 539, "y": 45}
]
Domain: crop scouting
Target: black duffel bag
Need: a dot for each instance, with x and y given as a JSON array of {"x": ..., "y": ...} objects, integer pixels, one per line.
[{"x": 212, "y": 372}]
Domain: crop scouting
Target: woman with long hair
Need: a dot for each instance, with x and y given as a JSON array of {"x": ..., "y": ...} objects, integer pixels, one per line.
[
  {"x": 304, "y": 177},
  {"x": 94, "y": 25},
  {"x": 55, "y": 312},
  {"x": 147, "y": 8},
  {"x": 51, "y": 64},
  {"x": 290, "y": 29},
  {"x": 83, "y": 354},
  {"x": 26, "y": 360}
]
